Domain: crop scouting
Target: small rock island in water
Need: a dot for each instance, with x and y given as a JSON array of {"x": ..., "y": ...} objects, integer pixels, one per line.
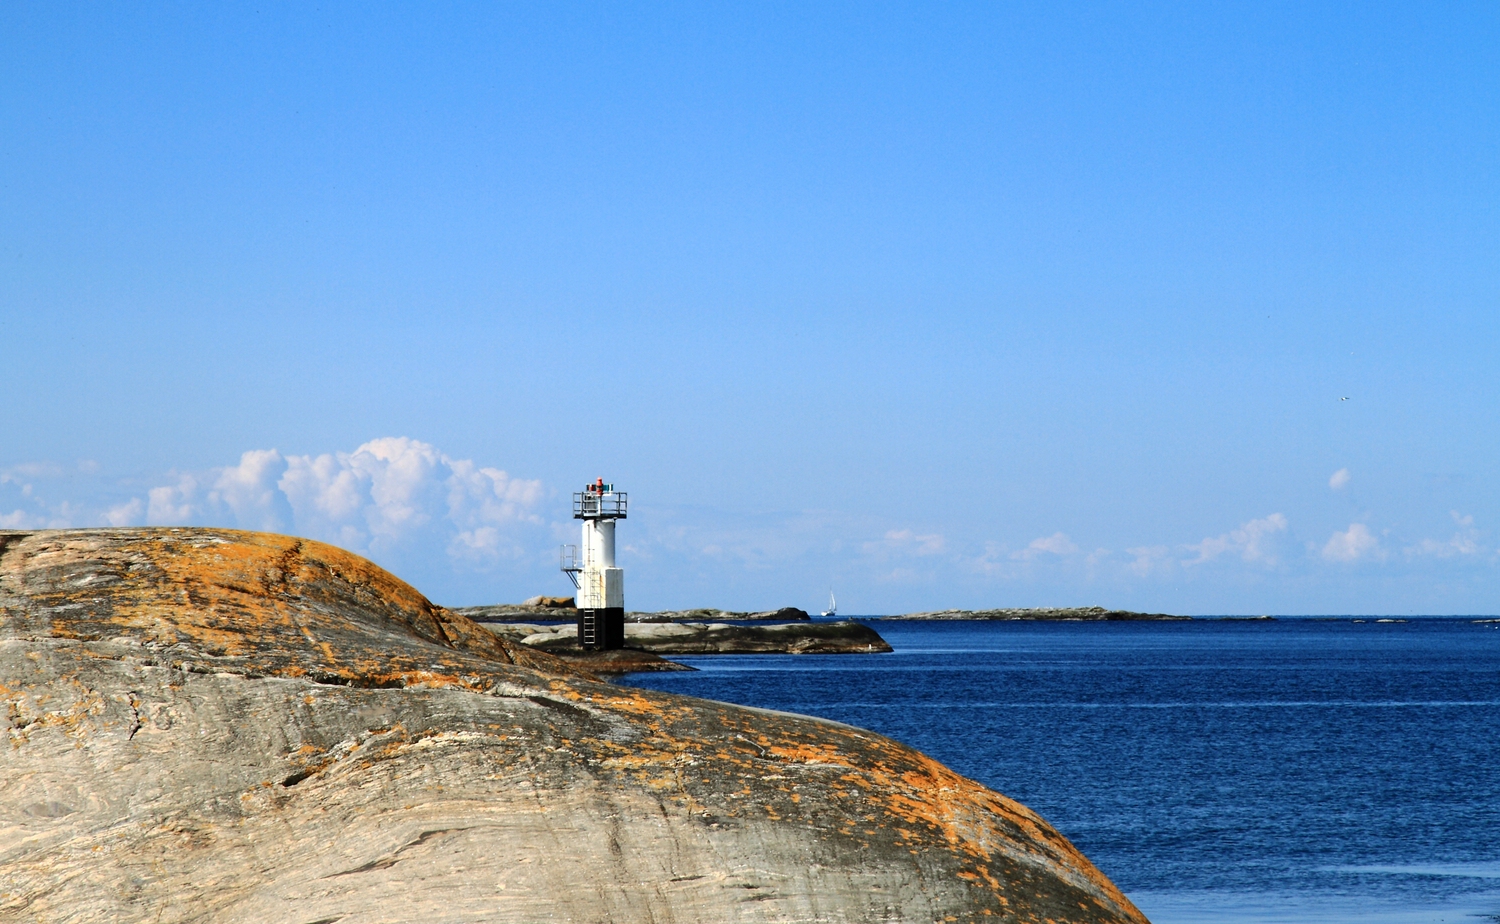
[{"x": 212, "y": 725}]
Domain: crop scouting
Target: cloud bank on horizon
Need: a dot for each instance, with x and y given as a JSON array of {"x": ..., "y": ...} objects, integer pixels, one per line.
[
  {"x": 384, "y": 495},
  {"x": 466, "y": 533},
  {"x": 397, "y": 500}
]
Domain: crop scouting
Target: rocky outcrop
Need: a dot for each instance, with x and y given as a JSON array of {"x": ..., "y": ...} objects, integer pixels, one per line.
[
  {"x": 679, "y": 638},
  {"x": 207, "y": 725},
  {"x": 1072, "y": 614}
]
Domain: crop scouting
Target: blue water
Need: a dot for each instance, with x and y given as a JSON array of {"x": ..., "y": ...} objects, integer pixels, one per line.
[{"x": 1252, "y": 772}]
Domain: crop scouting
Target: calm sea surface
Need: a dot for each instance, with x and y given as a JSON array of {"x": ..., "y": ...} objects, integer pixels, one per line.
[{"x": 1291, "y": 771}]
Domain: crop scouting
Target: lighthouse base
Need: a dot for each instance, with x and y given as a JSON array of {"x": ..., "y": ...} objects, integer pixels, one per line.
[{"x": 600, "y": 630}]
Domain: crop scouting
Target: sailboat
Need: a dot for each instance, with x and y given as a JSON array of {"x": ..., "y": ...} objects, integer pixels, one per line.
[{"x": 833, "y": 606}]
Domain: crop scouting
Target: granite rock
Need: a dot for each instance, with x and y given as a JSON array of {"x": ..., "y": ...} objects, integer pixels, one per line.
[{"x": 210, "y": 725}]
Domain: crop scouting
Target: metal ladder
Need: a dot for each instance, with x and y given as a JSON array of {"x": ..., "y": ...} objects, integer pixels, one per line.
[{"x": 590, "y": 637}]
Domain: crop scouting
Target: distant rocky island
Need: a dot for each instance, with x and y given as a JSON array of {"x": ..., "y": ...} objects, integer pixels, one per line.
[
  {"x": 214, "y": 725},
  {"x": 561, "y": 609},
  {"x": 1073, "y": 614}
]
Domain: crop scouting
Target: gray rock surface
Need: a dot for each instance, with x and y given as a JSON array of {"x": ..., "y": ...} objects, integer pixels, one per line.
[{"x": 208, "y": 725}]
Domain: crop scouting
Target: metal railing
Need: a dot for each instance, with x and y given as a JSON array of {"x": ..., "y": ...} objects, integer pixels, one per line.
[
  {"x": 590, "y": 506},
  {"x": 569, "y": 562}
]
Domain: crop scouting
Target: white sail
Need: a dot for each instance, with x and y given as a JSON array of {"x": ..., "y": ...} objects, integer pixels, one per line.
[{"x": 833, "y": 606}]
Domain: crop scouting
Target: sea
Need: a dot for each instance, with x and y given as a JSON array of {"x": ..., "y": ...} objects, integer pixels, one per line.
[{"x": 1289, "y": 770}]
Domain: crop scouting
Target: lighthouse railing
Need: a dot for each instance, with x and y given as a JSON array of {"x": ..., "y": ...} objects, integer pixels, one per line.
[
  {"x": 589, "y": 506},
  {"x": 569, "y": 562}
]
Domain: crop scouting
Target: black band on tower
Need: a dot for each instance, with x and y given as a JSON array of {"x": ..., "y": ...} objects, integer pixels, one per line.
[{"x": 601, "y": 630}]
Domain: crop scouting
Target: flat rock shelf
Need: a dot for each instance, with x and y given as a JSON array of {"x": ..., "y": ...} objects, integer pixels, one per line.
[{"x": 681, "y": 638}]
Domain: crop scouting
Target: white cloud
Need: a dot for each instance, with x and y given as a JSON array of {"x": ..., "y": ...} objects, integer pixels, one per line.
[
  {"x": 1055, "y": 544},
  {"x": 1150, "y": 558},
  {"x": 1252, "y": 542},
  {"x": 999, "y": 561},
  {"x": 1339, "y": 479},
  {"x": 994, "y": 559},
  {"x": 251, "y": 490},
  {"x": 1351, "y": 545},
  {"x": 379, "y": 497},
  {"x": 1465, "y": 542},
  {"x": 59, "y": 516},
  {"x": 906, "y": 542},
  {"x": 894, "y": 556},
  {"x": 34, "y": 510},
  {"x": 488, "y": 495},
  {"x": 126, "y": 514},
  {"x": 173, "y": 505},
  {"x": 18, "y": 519},
  {"x": 32, "y": 470}
]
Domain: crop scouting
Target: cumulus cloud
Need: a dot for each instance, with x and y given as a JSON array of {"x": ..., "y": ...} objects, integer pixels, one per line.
[
  {"x": 1353, "y": 544},
  {"x": 384, "y": 494},
  {"x": 1252, "y": 542},
  {"x": 1465, "y": 542},
  {"x": 1339, "y": 479},
  {"x": 172, "y": 505},
  {"x": 126, "y": 514},
  {"x": 252, "y": 491},
  {"x": 1055, "y": 544}
]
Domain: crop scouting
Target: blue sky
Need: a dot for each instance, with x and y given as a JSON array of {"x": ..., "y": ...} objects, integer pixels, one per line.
[{"x": 938, "y": 305}]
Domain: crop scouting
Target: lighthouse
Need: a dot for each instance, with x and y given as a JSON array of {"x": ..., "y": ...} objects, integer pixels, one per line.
[{"x": 601, "y": 585}]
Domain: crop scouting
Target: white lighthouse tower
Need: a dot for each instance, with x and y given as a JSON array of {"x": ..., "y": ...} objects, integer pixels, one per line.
[{"x": 601, "y": 585}]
